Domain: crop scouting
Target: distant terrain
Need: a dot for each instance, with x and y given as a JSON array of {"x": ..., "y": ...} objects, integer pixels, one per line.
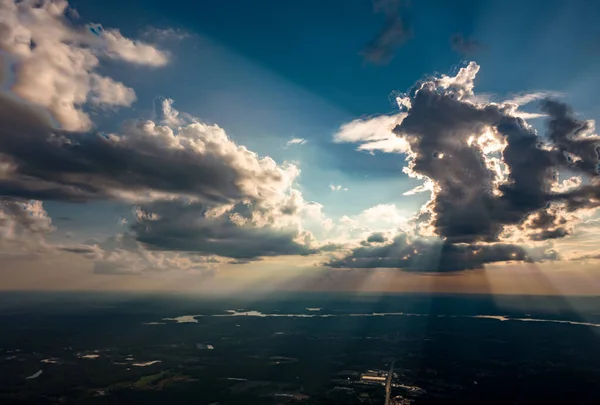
[{"x": 304, "y": 349}]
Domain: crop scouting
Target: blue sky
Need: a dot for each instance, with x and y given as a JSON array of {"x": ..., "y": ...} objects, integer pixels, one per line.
[{"x": 268, "y": 72}]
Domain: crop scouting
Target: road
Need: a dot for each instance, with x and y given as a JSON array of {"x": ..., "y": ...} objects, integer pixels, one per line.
[{"x": 388, "y": 383}]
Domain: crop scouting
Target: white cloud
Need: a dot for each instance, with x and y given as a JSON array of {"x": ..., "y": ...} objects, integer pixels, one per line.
[
  {"x": 295, "y": 141},
  {"x": 23, "y": 228},
  {"x": 165, "y": 34},
  {"x": 373, "y": 134},
  {"x": 338, "y": 187},
  {"x": 106, "y": 91},
  {"x": 461, "y": 85},
  {"x": 382, "y": 218},
  {"x": 55, "y": 62},
  {"x": 120, "y": 47},
  {"x": 418, "y": 189},
  {"x": 122, "y": 254},
  {"x": 196, "y": 190},
  {"x": 526, "y": 98}
]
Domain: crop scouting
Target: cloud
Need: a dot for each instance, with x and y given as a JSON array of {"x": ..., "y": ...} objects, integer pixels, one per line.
[
  {"x": 165, "y": 34},
  {"x": 338, "y": 187},
  {"x": 465, "y": 46},
  {"x": 433, "y": 256},
  {"x": 196, "y": 190},
  {"x": 137, "y": 52},
  {"x": 394, "y": 32},
  {"x": 377, "y": 237},
  {"x": 23, "y": 228},
  {"x": 295, "y": 141},
  {"x": 526, "y": 98},
  {"x": 55, "y": 62},
  {"x": 373, "y": 134},
  {"x": 122, "y": 254},
  {"x": 144, "y": 161},
  {"x": 488, "y": 169},
  {"x": 384, "y": 219},
  {"x": 494, "y": 182},
  {"x": 238, "y": 232}
]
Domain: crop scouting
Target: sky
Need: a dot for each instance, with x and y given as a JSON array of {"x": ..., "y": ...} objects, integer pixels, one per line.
[{"x": 364, "y": 146}]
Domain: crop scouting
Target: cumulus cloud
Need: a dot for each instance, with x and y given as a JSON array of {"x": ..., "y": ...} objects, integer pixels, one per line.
[
  {"x": 490, "y": 169},
  {"x": 465, "y": 46},
  {"x": 393, "y": 33},
  {"x": 337, "y": 187},
  {"x": 196, "y": 190},
  {"x": 383, "y": 219},
  {"x": 55, "y": 62},
  {"x": 235, "y": 233},
  {"x": 145, "y": 160},
  {"x": 492, "y": 178},
  {"x": 23, "y": 228}
]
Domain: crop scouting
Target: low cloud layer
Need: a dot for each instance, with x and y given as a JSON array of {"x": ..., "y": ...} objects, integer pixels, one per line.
[
  {"x": 235, "y": 233},
  {"x": 434, "y": 256},
  {"x": 123, "y": 254}
]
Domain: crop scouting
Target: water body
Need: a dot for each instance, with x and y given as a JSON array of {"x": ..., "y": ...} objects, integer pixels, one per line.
[
  {"x": 179, "y": 319},
  {"x": 233, "y": 312},
  {"x": 146, "y": 364},
  {"x": 35, "y": 375}
]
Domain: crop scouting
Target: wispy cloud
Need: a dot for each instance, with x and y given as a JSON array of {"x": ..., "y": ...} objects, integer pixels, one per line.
[
  {"x": 380, "y": 49},
  {"x": 373, "y": 134},
  {"x": 165, "y": 34},
  {"x": 465, "y": 46},
  {"x": 295, "y": 141},
  {"x": 526, "y": 98}
]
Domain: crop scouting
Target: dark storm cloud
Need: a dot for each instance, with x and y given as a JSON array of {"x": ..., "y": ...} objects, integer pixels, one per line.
[
  {"x": 47, "y": 163},
  {"x": 395, "y": 32},
  {"x": 426, "y": 256},
  {"x": 437, "y": 128},
  {"x": 465, "y": 208},
  {"x": 464, "y": 46},
  {"x": 571, "y": 137},
  {"x": 474, "y": 210}
]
